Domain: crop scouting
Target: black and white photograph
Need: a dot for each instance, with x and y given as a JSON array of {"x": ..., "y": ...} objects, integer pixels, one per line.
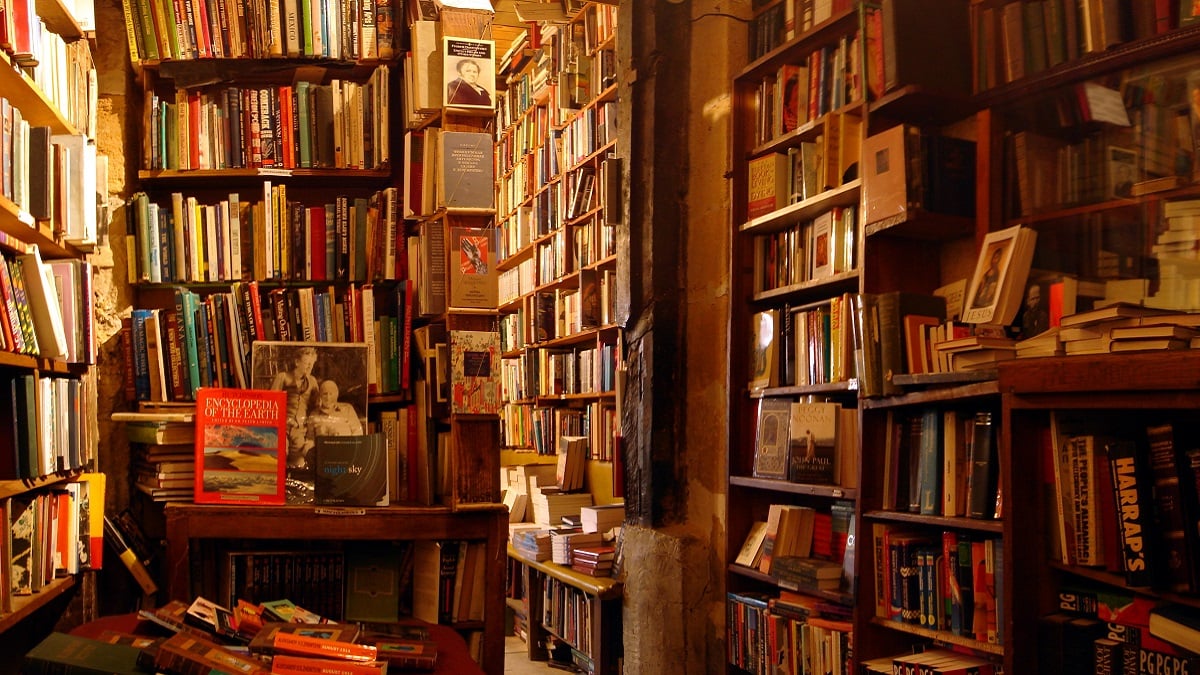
[
  {"x": 469, "y": 72},
  {"x": 326, "y": 385}
]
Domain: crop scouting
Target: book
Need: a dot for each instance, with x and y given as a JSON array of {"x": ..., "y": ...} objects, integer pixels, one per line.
[
  {"x": 469, "y": 73},
  {"x": 1118, "y": 310},
  {"x": 185, "y": 653},
  {"x": 44, "y": 306},
  {"x": 474, "y": 372},
  {"x": 767, "y": 184},
  {"x": 812, "y": 441},
  {"x": 473, "y": 276},
  {"x": 240, "y": 446},
  {"x": 998, "y": 284},
  {"x": 764, "y": 368},
  {"x": 373, "y": 583},
  {"x": 1132, "y": 486},
  {"x": 981, "y": 482},
  {"x": 1177, "y": 624},
  {"x": 351, "y": 470},
  {"x": 73, "y": 654},
  {"x": 752, "y": 548},
  {"x": 263, "y": 641},
  {"x": 465, "y": 178},
  {"x": 895, "y": 341},
  {"x": 326, "y": 395},
  {"x": 1175, "y": 505},
  {"x": 288, "y": 664},
  {"x": 771, "y": 438}
]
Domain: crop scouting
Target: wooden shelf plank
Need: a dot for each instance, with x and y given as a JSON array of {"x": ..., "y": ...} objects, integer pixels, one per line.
[
  {"x": 25, "y": 605},
  {"x": 603, "y": 588}
]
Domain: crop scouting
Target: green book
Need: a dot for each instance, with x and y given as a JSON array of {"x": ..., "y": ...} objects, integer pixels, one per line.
[
  {"x": 304, "y": 131},
  {"x": 75, "y": 655}
]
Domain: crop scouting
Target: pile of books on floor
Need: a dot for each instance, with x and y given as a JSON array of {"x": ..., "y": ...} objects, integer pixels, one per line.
[{"x": 272, "y": 637}]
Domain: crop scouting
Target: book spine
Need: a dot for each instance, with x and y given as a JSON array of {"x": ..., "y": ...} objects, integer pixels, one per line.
[
  {"x": 981, "y": 482},
  {"x": 1132, "y": 487}
]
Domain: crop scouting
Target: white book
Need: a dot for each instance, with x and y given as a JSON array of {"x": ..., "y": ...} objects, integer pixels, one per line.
[{"x": 293, "y": 44}]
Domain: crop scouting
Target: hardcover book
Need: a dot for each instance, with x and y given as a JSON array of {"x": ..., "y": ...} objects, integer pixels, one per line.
[
  {"x": 812, "y": 438},
  {"x": 264, "y": 640},
  {"x": 767, "y": 185},
  {"x": 475, "y": 372},
  {"x": 771, "y": 442},
  {"x": 326, "y": 392},
  {"x": 465, "y": 179},
  {"x": 473, "y": 275},
  {"x": 998, "y": 285},
  {"x": 184, "y": 653},
  {"x": 240, "y": 446},
  {"x": 469, "y": 74},
  {"x": 351, "y": 470},
  {"x": 63, "y": 653}
]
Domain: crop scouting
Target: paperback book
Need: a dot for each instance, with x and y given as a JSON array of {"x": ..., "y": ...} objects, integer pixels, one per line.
[{"x": 351, "y": 470}]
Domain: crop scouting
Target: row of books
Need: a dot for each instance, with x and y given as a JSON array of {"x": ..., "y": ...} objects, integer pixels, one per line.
[
  {"x": 941, "y": 462},
  {"x": 806, "y": 251},
  {"x": 1018, "y": 39},
  {"x": 1098, "y": 473},
  {"x": 558, "y": 313},
  {"x": 47, "y": 175},
  {"x": 351, "y": 238},
  {"x": 779, "y": 179},
  {"x": 804, "y": 548},
  {"x": 552, "y": 373},
  {"x": 786, "y": 634},
  {"x": 200, "y": 29},
  {"x": 46, "y": 308},
  {"x": 447, "y": 170},
  {"x": 805, "y": 346},
  {"x": 50, "y": 533},
  {"x": 805, "y": 442},
  {"x": 948, "y": 582},
  {"x": 44, "y": 430},
  {"x": 61, "y": 69},
  {"x": 529, "y": 158},
  {"x": 538, "y": 428},
  {"x": 796, "y": 93},
  {"x": 340, "y": 125},
  {"x": 448, "y": 579}
]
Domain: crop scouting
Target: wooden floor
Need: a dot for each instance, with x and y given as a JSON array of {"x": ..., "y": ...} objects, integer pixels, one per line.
[{"x": 517, "y": 663}]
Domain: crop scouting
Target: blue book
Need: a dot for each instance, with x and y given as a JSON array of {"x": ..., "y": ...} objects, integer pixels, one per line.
[{"x": 141, "y": 363}]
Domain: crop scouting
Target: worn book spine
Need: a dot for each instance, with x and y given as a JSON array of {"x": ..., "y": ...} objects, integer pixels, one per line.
[{"x": 1132, "y": 487}]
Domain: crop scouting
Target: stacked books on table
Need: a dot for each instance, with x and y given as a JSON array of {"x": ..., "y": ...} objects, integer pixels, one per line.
[
  {"x": 596, "y": 561},
  {"x": 602, "y": 517},
  {"x": 532, "y": 543},
  {"x": 563, "y": 542},
  {"x": 248, "y": 639},
  {"x": 550, "y": 504}
]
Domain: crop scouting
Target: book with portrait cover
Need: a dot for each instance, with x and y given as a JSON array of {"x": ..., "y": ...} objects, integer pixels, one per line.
[
  {"x": 469, "y": 72},
  {"x": 475, "y": 372},
  {"x": 812, "y": 442},
  {"x": 351, "y": 470},
  {"x": 473, "y": 277},
  {"x": 240, "y": 446},
  {"x": 326, "y": 387}
]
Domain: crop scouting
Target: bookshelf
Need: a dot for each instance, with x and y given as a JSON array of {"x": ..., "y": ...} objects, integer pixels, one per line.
[
  {"x": 800, "y": 97},
  {"x": 274, "y": 204},
  {"x": 558, "y": 172},
  {"x": 47, "y": 349},
  {"x": 1091, "y": 227}
]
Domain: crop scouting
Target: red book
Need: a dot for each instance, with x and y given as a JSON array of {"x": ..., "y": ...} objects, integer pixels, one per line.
[
  {"x": 286, "y": 129},
  {"x": 316, "y": 253},
  {"x": 241, "y": 446}
]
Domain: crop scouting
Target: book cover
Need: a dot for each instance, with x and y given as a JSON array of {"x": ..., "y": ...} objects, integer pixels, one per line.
[
  {"x": 981, "y": 482},
  {"x": 998, "y": 284},
  {"x": 1132, "y": 486},
  {"x": 473, "y": 276},
  {"x": 326, "y": 393},
  {"x": 767, "y": 184},
  {"x": 188, "y": 653},
  {"x": 467, "y": 167},
  {"x": 771, "y": 440},
  {"x": 64, "y": 653},
  {"x": 812, "y": 441},
  {"x": 764, "y": 369},
  {"x": 475, "y": 372},
  {"x": 469, "y": 73},
  {"x": 240, "y": 446},
  {"x": 351, "y": 470},
  {"x": 373, "y": 581},
  {"x": 263, "y": 641}
]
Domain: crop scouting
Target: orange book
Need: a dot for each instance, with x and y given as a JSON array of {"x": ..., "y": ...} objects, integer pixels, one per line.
[
  {"x": 303, "y": 645},
  {"x": 286, "y": 664}
]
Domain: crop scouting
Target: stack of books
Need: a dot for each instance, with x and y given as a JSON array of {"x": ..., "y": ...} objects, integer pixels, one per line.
[
  {"x": 602, "y": 517},
  {"x": 596, "y": 561},
  {"x": 1127, "y": 327},
  {"x": 563, "y": 543},
  {"x": 550, "y": 504},
  {"x": 164, "y": 454},
  {"x": 532, "y": 543}
]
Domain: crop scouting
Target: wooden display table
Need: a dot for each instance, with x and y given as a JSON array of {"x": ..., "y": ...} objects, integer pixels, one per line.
[{"x": 188, "y": 523}]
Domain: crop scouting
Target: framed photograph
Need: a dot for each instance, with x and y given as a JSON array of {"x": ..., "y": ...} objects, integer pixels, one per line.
[
  {"x": 469, "y": 72},
  {"x": 771, "y": 441},
  {"x": 989, "y": 277},
  {"x": 326, "y": 387}
]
